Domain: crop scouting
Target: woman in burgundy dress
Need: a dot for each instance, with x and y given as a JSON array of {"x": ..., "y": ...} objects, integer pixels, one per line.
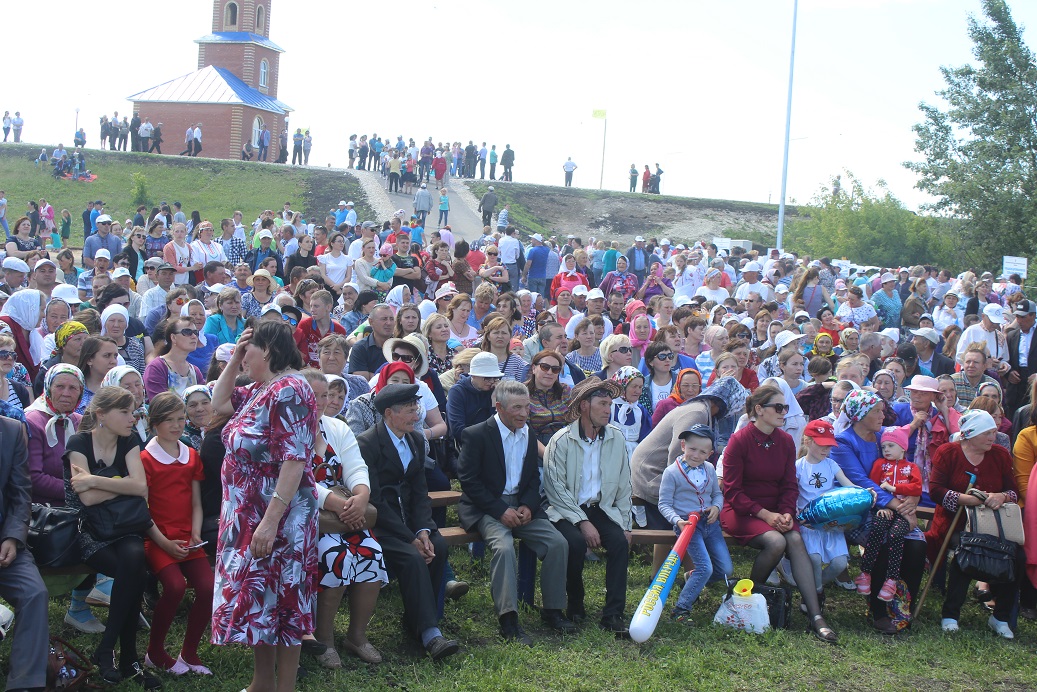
[{"x": 760, "y": 492}]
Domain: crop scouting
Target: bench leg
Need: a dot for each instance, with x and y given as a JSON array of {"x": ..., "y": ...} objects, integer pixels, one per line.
[{"x": 527, "y": 574}]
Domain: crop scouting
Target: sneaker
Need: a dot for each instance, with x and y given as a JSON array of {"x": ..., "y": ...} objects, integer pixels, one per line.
[
  {"x": 681, "y": 616},
  {"x": 949, "y": 625},
  {"x": 1001, "y": 628},
  {"x": 82, "y": 620},
  {"x": 848, "y": 585},
  {"x": 455, "y": 590},
  {"x": 888, "y": 591},
  {"x": 863, "y": 583},
  {"x": 6, "y": 618},
  {"x": 101, "y": 594}
]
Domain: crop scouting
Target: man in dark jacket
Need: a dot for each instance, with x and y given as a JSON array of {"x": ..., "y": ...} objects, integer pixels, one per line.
[
  {"x": 469, "y": 400},
  {"x": 1022, "y": 361},
  {"x": 411, "y": 544},
  {"x": 507, "y": 160},
  {"x": 500, "y": 484},
  {"x": 486, "y": 205},
  {"x": 925, "y": 341}
]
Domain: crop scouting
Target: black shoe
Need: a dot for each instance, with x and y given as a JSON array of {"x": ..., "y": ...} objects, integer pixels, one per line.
[
  {"x": 106, "y": 667},
  {"x": 616, "y": 625},
  {"x": 455, "y": 590},
  {"x": 556, "y": 621},
  {"x": 577, "y": 617},
  {"x": 1028, "y": 613},
  {"x": 512, "y": 631},
  {"x": 440, "y": 647},
  {"x": 312, "y": 647},
  {"x": 139, "y": 675}
]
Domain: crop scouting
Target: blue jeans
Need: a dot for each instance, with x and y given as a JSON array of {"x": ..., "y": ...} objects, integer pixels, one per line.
[
  {"x": 708, "y": 551},
  {"x": 539, "y": 286}
]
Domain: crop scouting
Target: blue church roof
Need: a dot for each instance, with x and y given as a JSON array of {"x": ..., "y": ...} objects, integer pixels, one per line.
[
  {"x": 240, "y": 37},
  {"x": 214, "y": 85}
]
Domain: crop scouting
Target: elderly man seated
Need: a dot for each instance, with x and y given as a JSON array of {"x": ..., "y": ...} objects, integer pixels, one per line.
[{"x": 500, "y": 484}]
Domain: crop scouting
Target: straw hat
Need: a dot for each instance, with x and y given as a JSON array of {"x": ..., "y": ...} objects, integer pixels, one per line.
[
  {"x": 262, "y": 273},
  {"x": 583, "y": 392}
]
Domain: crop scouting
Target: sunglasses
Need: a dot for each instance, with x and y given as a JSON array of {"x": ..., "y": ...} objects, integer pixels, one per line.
[
  {"x": 138, "y": 235},
  {"x": 624, "y": 349},
  {"x": 6, "y": 355},
  {"x": 104, "y": 223},
  {"x": 404, "y": 357},
  {"x": 290, "y": 320},
  {"x": 492, "y": 254},
  {"x": 778, "y": 408},
  {"x": 186, "y": 331},
  {"x": 550, "y": 368},
  {"x": 664, "y": 356}
]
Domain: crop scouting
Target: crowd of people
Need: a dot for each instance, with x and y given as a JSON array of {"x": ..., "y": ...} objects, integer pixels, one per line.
[
  {"x": 404, "y": 164},
  {"x": 287, "y": 394}
]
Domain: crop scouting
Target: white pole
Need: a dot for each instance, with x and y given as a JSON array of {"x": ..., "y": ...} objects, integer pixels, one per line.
[
  {"x": 604, "y": 131},
  {"x": 788, "y": 125}
]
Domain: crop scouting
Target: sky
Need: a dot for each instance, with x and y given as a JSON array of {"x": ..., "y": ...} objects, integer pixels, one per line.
[{"x": 698, "y": 87}]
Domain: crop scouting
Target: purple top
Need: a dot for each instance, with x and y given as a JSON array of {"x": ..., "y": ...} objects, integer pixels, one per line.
[
  {"x": 46, "y": 469},
  {"x": 158, "y": 379}
]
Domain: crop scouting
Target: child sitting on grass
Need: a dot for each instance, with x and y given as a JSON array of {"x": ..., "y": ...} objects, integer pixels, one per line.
[
  {"x": 689, "y": 486},
  {"x": 896, "y": 475}
]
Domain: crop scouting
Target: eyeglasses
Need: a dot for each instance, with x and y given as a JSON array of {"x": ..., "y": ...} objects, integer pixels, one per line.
[
  {"x": 624, "y": 349},
  {"x": 555, "y": 369},
  {"x": 778, "y": 408},
  {"x": 290, "y": 320},
  {"x": 8, "y": 355},
  {"x": 492, "y": 254},
  {"x": 664, "y": 356},
  {"x": 138, "y": 235},
  {"x": 187, "y": 332},
  {"x": 104, "y": 223},
  {"x": 404, "y": 357}
]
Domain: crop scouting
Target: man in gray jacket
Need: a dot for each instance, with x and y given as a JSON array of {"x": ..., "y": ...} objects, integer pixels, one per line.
[
  {"x": 486, "y": 205},
  {"x": 422, "y": 204}
]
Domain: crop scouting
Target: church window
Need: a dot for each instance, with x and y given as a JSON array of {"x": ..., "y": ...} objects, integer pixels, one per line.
[
  {"x": 260, "y": 19},
  {"x": 264, "y": 72},
  {"x": 230, "y": 16}
]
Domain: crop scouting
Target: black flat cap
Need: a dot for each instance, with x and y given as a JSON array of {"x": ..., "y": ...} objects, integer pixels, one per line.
[{"x": 394, "y": 394}]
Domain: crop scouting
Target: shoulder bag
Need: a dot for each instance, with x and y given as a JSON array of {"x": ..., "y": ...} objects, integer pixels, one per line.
[
  {"x": 120, "y": 516},
  {"x": 987, "y": 557},
  {"x": 54, "y": 535},
  {"x": 328, "y": 521}
]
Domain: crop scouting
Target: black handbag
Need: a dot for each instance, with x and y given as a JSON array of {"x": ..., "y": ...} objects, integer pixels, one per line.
[
  {"x": 120, "y": 516},
  {"x": 54, "y": 536},
  {"x": 986, "y": 557},
  {"x": 779, "y": 603}
]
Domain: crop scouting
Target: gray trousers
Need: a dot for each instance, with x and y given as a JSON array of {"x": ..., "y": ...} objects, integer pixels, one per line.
[
  {"x": 543, "y": 539},
  {"x": 22, "y": 587}
]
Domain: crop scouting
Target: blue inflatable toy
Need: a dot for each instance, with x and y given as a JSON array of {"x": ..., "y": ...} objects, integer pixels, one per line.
[{"x": 840, "y": 509}]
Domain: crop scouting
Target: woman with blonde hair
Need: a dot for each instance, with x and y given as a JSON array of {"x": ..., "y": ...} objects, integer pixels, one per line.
[{"x": 436, "y": 330}]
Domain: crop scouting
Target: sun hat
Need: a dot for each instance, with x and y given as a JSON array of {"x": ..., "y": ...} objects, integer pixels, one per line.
[
  {"x": 261, "y": 273},
  {"x": 485, "y": 364},
  {"x": 924, "y": 383},
  {"x": 585, "y": 391}
]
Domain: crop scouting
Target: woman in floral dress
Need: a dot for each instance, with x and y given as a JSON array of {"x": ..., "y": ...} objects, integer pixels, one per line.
[{"x": 266, "y": 554}]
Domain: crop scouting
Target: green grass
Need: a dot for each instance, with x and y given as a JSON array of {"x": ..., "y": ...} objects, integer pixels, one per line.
[
  {"x": 701, "y": 657},
  {"x": 215, "y": 188}
]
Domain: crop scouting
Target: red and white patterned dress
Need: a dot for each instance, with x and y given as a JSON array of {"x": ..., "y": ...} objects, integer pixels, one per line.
[{"x": 267, "y": 601}]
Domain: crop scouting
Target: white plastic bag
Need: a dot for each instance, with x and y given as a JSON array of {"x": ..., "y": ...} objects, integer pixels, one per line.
[{"x": 746, "y": 613}]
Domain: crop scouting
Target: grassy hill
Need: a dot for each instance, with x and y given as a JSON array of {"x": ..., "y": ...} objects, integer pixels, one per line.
[
  {"x": 215, "y": 188},
  {"x": 623, "y": 215}
]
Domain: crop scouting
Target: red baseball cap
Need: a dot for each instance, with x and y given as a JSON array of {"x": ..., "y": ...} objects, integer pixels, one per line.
[{"x": 821, "y": 432}]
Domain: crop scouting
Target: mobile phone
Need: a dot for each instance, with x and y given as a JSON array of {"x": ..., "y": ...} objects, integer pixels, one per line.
[{"x": 197, "y": 545}]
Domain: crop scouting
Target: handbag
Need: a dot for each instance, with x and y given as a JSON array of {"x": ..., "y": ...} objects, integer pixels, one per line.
[
  {"x": 778, "y": 600},
  {"x": 120, "y": 516},
  {"x": 984, "y": 556},
  {"x": 985, "y": 520},
  {"x": 328, "y": 521},
  {"x": 67, "y": 667},
  {"x": 54, "y": 535}
]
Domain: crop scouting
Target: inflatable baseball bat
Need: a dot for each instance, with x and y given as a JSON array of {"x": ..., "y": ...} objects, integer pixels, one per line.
[{"x": 650, "y": 609}]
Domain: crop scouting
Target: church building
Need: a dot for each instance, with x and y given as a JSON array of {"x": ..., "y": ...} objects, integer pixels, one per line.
[{"x": 233, "y": 93}]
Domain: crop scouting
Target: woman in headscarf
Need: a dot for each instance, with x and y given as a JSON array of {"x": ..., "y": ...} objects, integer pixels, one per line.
[
  {"x": 56, "y": 313},
  {"x": 715, "y": 338},
  {"x": 795, "y": 420},
  {"x": 620, "y": 280},
  {"x": 885, "y": 384},
  {"x": 860, "y": 426},
  {"x": 628, "y": 413},
  {"x": 569, "y": 277},
  {"x": 850, "y": 341},
  {"x": 201, "y": 356},
  {"x": 198, "y": 401},
  {"x": 68, "y": 339},
  {"x": 129, "y": 379},
  {"x": 687, "y": 386},
  {"x": 22, "y": 313},
  {"x": 397, "y": 297},
  {"x": 114, "y": 321}
]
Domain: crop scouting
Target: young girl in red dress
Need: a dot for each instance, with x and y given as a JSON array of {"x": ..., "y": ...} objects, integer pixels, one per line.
[{"x": 173, "y": 548}]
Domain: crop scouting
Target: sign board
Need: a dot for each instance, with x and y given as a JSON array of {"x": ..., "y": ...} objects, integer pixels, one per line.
[
  {"x": 1013, "y": 265},
  {"x": 722, "y": 243}
]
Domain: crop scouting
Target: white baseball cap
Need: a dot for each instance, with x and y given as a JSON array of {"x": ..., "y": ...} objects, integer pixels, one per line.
[
  {"x": 580, "y": 290},
  {"x": 16, "y": 264},
  {"x": 995, "y": 313},
  {"x": 639, "y": 239},
  {"x": 102, "y": 253},
  {"x": 927, "y": 333},
  {"x": 595, "y": 294},
  {"x": 118, "y": 273},
  {"x": 265, "y": 233},
  {"x": 752, "y": 267}
]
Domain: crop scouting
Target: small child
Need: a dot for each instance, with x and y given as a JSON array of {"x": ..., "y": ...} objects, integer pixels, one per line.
[
  {"x": 628, "y": 415},
  {"x": 689, "y": 486},
  {"x": 894, "y": 474},
  {"x": 817, "y": 473},
  {"x": 173, "y": 549}
]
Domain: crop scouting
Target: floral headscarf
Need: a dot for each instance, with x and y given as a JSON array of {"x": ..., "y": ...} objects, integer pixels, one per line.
[
  {"x": 973, "y": 423},
  {"x": 686, "y": 372},
  {"x": 66, "y": 332},
  {"x": 858, "y": 404},
  {"x": 45, "y": 404},
  {"x": 625, "y": 375}
]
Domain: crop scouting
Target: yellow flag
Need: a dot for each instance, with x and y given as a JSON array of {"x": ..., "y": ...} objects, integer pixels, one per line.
[{"x": 598, "y": 114}]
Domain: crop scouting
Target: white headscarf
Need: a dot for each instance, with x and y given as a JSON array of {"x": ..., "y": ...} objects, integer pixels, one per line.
[
  {"x": 185, "y": 311},
  {"x": 395, "y": 297},
  {"x": 24, "y": 308},
  {"x": 795, "y": 419},
  {"x": 111, "y": 311}
]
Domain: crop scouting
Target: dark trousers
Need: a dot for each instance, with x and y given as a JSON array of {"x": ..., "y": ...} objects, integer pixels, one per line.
[
  {"x": 911, "y": 568},
  {"x": 419, "y": 582},
  {"x": 469, "y": 168},
  {"x": 21, "y": 586},
  {"x": 423, "y": 170},
  {"x": 155, "y": 147},
  {"x": 487, "y": 216},
  {"x": 197, "y": 148},
  {"x": 568, "y": 178},
  {"x": 134, "y": 141},
  {"x": 394, "y": 182},
  {"x": 145, "y": 142},
  {"x": 262, "y": 153},
  {"x": 296, "y": 154},
  {"x": 958, "y": 588},
  {"x": 482, "y": 168},
  {"x": 507, "y": 174},
  {"x": 617, "y": 551},
  {"x": 124, "y": 562},
  {"x": 493, "y": 171},
  {"x": 189, "y": 148}
]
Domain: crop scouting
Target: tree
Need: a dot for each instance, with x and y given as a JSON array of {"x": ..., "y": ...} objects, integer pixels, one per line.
[
  {"x": 981, "y": 152},
  {"x": 870, "y": 227}
]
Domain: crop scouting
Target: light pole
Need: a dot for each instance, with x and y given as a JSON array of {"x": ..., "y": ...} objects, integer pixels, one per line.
[
  {"x": 788, "y": 124},
  {"x": 77, "y": 120}
]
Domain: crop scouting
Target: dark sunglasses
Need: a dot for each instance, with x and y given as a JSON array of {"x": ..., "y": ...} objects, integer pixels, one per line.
[
  {"x": 624, "y": 349},
  {"x": 778, "y": 408},
  {"x": 550, "y": 368},
  {"x": 138, "y": 235},
  {"x": 5, "y": 355},
  {"x": 186, "y": 331},
  {"x": 664, "y": 356},
  {"x": 104, "y": 223},
  {"x": 290, "y": 320},
  {"x": 492, "y": 254},
  {"x": 404, "y": 357}
]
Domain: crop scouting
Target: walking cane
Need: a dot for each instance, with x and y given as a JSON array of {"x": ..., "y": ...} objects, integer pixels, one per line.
[{"x": 943, "y": 548}]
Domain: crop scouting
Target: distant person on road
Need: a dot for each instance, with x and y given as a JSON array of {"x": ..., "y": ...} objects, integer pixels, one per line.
[
  {"x": 422, "y": 203},
  {"x": 633, "y": 178},
  {"x": 569, "y": 167},
  {"x": 487, "y": 204},
  {"x": 507, "y": 159},
  {"x": 646, "y": 179}
]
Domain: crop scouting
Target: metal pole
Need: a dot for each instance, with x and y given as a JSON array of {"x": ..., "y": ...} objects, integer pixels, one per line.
[
  {"x": 604, "y": 131},
  {"x": 788, "y": 125}
]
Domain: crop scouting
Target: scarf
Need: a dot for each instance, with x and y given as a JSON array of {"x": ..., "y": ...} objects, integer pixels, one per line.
[
  {"x": 42, "y": 329},
  {"x": 23, "y": 308},
  {"x": 624, "y": 376},
  {"x": 115, "y": 377},
  {"x": 185, "y": 312},
  {"x": 65, "y": 332},
  {"x": 641, "y": 343},
  {"x": 110, "y": 312},
  {"x": 46, "y": 405},
  {"x": 387, "y": 371},
  {"x": 676, "y": 394},
  {"x": 571, "y": 273}
]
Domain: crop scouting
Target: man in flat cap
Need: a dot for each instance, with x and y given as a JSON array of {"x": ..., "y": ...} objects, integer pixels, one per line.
[{"x": 411, "y": 545}]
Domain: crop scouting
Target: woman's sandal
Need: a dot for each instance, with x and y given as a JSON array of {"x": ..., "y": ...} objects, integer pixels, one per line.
[{"x": 824, "y": 633}]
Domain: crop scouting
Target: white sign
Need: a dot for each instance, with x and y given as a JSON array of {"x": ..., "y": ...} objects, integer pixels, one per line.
[
  {"x": 1013, "y": 265},
  {"x": 722, "y": 243}
]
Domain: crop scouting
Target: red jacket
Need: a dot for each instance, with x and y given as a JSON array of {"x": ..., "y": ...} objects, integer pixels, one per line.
[{"x": 901, "y": 474}]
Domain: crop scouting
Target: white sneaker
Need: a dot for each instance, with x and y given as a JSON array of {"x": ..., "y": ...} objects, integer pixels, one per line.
[
  {"x": 949, "y": 625},
  {"x": 848, "y": 585},
  {"x": 1001, "y": 628},
  {"x": 6, "y": 618}
]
